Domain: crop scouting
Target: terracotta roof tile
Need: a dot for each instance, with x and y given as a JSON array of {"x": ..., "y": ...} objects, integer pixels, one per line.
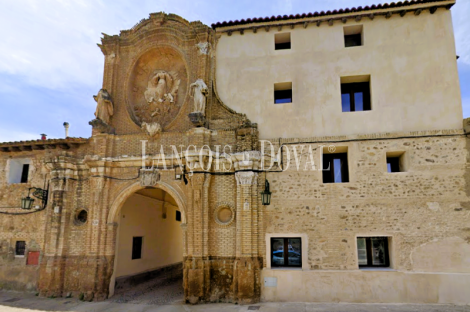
[
  {"x": 39, "y": 141},
  {"x": 323, "y": 13}
]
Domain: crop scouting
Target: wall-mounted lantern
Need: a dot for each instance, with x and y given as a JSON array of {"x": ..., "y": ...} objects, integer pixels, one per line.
[
  {"x": 27, "y": 202},
  {"x": 266, "y": 194}
]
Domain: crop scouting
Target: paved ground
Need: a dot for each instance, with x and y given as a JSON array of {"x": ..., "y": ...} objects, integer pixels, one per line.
[
  {"x": 21, "y": 302},
  {"x": 161, "y": 290}
]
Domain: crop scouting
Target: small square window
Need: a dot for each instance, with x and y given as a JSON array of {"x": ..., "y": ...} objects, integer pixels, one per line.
[
  {"x": 282, "y": 41},
  {"x": 20, "y": 248},
  {"x": 353, "y": 36},
  {"x": 19, "y": 170},
  {"x": 335, "y": 168},
  {"x": 395, "y": 162},
  {"x": 355, "y": 96},
  {"x": 137, "y": 247},
  {"x": 178, "y": 215},
  {"x": 283, "y": 93},
  {"x": 286, "y": 252},
  {"x": 373, "y": 252}
]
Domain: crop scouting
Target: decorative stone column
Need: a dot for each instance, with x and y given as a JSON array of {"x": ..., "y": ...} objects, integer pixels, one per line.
[{"x": 247, "y": 263}]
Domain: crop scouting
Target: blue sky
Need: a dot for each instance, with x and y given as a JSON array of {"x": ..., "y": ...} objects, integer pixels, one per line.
[{"x": 50, "y": 66}]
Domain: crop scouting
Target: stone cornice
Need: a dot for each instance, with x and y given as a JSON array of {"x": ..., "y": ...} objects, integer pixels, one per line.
[{"x": 365, "y": 137}]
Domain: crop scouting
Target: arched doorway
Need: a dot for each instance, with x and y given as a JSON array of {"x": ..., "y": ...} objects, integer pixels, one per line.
[{"x": 149, "y": 247}]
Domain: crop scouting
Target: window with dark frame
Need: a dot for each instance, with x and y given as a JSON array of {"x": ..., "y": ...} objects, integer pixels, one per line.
[
  {"x": 178, "y": 215},
  {"x": 373, "y": 252},
  {"x": 137, "y": 247},
  {"x": 352, "y": 40},
  {"x": 353, "y": 36},
  {"x": 393, "y": 164},
  {"x": 24, "y": 173},
  {"x": 282, "y": 41},
  {"x": 286, "y": 252},
  {"x": 20, "y": 248},
  {"x": 282, "y": 96},
  {"x": 335, "y": 168},
  {"x": 355, "y": 97}
]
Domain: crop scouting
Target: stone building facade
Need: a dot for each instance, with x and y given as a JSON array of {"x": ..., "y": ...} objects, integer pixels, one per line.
[{"x": 180, "y": 154}]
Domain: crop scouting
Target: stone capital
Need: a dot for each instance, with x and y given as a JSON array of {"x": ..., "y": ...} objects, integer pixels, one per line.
[{"x": 246, "y": 177}]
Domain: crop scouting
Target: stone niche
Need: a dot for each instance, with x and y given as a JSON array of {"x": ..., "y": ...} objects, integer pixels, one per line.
[{"x": 157, "y": 87}]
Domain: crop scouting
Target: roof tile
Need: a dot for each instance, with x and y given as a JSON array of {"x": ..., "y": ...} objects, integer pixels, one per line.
[{"x": 323, "y": 13}]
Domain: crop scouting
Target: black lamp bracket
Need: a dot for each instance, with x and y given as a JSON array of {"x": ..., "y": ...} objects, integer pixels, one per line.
[{"x": 40, "y": 194}]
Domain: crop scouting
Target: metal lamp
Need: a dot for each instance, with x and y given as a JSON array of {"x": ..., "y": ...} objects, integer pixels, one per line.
[
  {"x": 27, "y": 202},
  {"x": 266, "y": 194}
]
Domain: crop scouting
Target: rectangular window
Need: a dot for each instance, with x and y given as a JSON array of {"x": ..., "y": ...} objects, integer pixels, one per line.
[
  {"x": 396, "y": 162},
  {"x": 282, "y": 41},
  {"x": 137, "y": 247},
  {"x": 373, "y": 252},
  {"x": 24, "y": 173},
  {"x": 178, "y": 215},
  {"x": 286, "y": 252},
  {"x": 20, "y": 248},
  {"x": 283, "y": 93},
  {"x": 19, "y": 170},
  {"x": 335, "y": 168},
  {"x": 355, "y": 97},
  {"x": 353, "y": 36}
]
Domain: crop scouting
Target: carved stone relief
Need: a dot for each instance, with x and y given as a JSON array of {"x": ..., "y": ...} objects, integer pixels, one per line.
[
  {"x": 149, "y": 177},
  {"x": 157, "y": 89}
]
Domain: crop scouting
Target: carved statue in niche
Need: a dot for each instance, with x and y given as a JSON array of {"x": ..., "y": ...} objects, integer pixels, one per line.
[
  {"x": 105, "y": 108},
  {"x": 198, "y": 90}
]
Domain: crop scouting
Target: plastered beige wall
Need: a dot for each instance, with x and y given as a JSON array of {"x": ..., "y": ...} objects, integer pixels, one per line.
[
  {"x": 162, "y": 238},
  {"x": 366, "y": 286},
  {"x": 411, "y": 61}
]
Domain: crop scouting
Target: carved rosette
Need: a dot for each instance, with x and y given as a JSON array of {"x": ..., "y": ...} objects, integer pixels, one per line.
[
  {"x": 224, "y": 214},
  {"x": 149, "y": 177},
  {"x": 157, "y": 89}
]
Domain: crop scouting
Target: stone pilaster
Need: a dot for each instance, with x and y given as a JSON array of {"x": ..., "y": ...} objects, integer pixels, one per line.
[
  {"x": 247, "y": 264},
  {"x": 196, "y": 264},
  {"x": 52, "y": 270}
]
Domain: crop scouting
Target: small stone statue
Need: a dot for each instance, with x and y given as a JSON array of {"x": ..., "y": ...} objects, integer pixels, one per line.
[
  {"x": 105, "y": 108},
  {"x": 198, "y": 90}
]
